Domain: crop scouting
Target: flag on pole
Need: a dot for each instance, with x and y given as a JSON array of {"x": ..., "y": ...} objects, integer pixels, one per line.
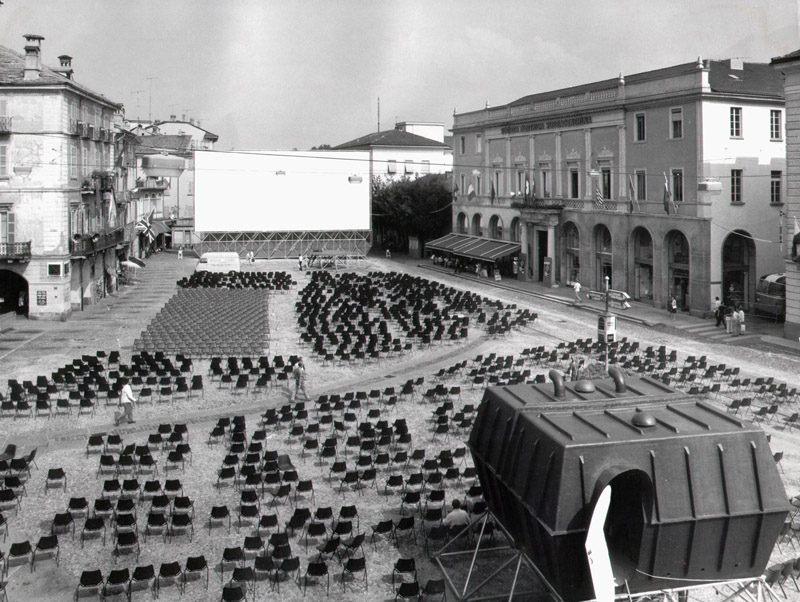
[
  {"x": 455, "y": 188},
  {"x": 527, "y": 188},
  {"x": 492, "y": 195},
  {"x": 632, "y": 194},
  {"x": 471, "y": 193},
  {"x": 145, "y": 226},
  {"x": 598, "y": 197},
  {"x": 667, "y": 194}
]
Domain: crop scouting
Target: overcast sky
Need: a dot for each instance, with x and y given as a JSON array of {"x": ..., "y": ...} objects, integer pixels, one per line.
[{"x": 278, "y": 74}]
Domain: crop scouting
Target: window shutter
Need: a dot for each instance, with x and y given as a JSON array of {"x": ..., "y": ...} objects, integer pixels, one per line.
[{"x": 10, "y": 238}]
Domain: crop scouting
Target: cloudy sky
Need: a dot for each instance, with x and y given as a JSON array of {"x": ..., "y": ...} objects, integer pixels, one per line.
[{"x": 278, "y": 74}]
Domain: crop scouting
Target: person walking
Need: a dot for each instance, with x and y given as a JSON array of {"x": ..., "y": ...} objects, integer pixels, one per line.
[
  {"x": 673, "y": 307},
  {"x": 719, "y": 313},
  {"x": 180, "y": 252},
  {"x": 740, "y": 313},
  {"x": 300, "y": 380},
  {"x": 126, "y": 400},
  {"x": 576, "y": 286}
]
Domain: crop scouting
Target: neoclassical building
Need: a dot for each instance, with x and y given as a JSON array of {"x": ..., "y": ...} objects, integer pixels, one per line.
[{"x": 667, "y": 182}]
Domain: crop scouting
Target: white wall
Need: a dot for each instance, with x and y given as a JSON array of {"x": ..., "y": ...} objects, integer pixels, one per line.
[{"x": 243, "y": 192}]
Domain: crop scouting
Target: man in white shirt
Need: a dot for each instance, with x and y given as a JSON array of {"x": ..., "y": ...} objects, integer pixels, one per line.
[
  {"x": 457, "y": 517},
  {"x": 126, "y": 400}
]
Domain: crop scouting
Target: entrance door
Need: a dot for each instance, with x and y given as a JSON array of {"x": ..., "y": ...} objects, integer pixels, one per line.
[
  {"x": 680, "y": 288},
  {"x": 541, "y": 245}
]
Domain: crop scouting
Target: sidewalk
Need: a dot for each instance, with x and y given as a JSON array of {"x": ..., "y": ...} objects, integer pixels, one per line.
[{"x": 760, "y": 331}]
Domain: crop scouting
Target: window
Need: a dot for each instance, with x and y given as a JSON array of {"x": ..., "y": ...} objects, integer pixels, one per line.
[
  {"x": 605, "y": 174},
  {"x": 391, "y": 166},
  {"x": 3, "y": 160},
  {"x": 520, "y": 182},
  {"x": 6, "y": 227},
  {"x": 775, "y": 187},
  {"x": 736, "y": 186},
  {"x": 463, "y": 186},
  {"x": 677, "y": 185},
  {"x": 676, "y": 123},
  {"x": 641, "y": 185},
  {"x": 54, "y": 269},
  {"x": 463, "y": 144},
  {"x": 409, "y": 167},
  {"x": 496, "y": 182},
  {"x": 775, "y": 125},
  {"x": 574, "y": 181},
  {"x": 640, "y": 131},
  {"x": 546, "y": 183},
  {"x": 73, "y": 161},
  {"x": 478, "y": 144},
  {"x": 425, "y": 166},
  {"x": 736, "y": 122},
  {"x": 478, "y": 187}
]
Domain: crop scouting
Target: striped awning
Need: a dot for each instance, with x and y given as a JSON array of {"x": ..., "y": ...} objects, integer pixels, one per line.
[{"x": 473, "y": 247}]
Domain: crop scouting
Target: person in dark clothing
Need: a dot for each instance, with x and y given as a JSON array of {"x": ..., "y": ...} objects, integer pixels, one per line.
[{"x": 719, "y": 314}]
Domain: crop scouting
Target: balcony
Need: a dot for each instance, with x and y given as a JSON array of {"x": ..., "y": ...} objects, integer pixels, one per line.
[
  {"x": 15, "y": 251},
  {"x": 5, "y": 125},
  {"x": 86, "y": 244},
  {"x": 570, "y": 204}
]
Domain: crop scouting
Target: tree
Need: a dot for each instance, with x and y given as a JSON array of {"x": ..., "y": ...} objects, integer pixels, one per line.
[
  {"x": 418, "y": 207},
  {"x": 321, "y": 147}
]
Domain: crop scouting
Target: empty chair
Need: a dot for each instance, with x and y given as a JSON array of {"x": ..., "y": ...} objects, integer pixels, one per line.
[
  {"x": 169, "y": 574},
  {"x": 194, "y": 569}
]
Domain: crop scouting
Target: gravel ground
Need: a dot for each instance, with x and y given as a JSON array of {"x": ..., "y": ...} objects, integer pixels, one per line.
[{"x": 555, "y": 324}]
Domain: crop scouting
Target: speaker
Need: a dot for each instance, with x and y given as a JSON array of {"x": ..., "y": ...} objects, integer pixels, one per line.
[{"x": 695, "y": 492}]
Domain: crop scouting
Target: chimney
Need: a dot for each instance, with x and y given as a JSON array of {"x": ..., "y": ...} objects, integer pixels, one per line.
[
  {"x": 183, "y": 116},
  {"x": 191, "y": 120},
  {"x": 736, "y": 63},
  {"x": 173, "y": 118},
  {"x": 66, "y": 66},
  {"x": 33, "y": 56}
]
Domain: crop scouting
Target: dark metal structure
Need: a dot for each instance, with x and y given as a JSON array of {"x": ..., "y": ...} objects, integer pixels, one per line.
[{"x": 696, "y": 496}]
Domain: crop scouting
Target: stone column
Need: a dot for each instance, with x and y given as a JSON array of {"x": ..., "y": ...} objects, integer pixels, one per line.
[{"x": 622, "y": 165}]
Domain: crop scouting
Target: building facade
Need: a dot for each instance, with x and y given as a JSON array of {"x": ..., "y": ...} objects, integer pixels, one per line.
[
  {"x": 789, "y": 66},
  {"x": 669, "y": 182},
  {"x": 400, "y": 153},
  {"x": 60, "y": 221}
]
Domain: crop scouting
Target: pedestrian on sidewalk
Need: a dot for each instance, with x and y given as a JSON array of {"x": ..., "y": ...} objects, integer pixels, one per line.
[
  {"x": 719, "y": 312},
  {"x": 180, "y": 252},
  {"x": 300, "y": 379},
  {"x": 673, "y": 307},
  {"x": 576, "y": 286},
  {"x": 126, "y": 400},
  {"x": 740, "y": 320}
]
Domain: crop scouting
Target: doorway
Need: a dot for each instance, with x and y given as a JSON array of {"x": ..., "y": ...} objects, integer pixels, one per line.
[
  {"x": 541, "y": 248},
  {"x": 628, "y": 514}
]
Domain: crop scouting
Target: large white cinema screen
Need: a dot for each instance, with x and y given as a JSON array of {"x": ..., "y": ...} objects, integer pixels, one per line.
[{"x": 281, "y": 191}]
